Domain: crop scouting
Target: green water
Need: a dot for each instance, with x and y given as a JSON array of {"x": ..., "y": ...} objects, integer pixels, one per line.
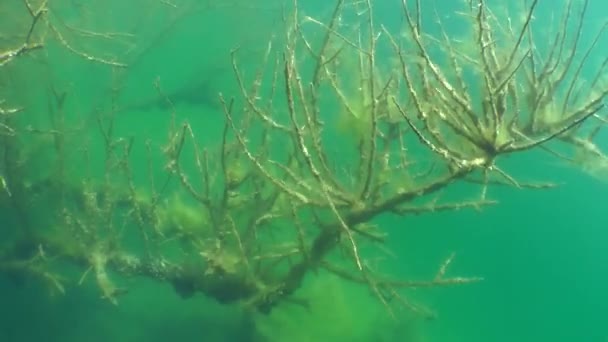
[{"x": 541, "y": 252}]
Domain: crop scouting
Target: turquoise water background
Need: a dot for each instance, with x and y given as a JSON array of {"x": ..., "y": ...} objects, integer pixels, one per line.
[{"x": 542, "y": 253}]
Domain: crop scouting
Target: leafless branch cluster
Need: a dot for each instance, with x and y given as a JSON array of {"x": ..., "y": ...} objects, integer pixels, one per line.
[
  {"x": 496, "y": 95},
  {"x": 344, "y": 120},
  {"x": 528, "y": 94}
]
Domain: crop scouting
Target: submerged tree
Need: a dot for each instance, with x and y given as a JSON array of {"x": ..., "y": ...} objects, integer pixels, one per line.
[{"x": 345, "y": 120}]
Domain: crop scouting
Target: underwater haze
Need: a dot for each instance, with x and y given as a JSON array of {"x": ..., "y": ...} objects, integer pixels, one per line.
[{"x": 163, "y": 178}]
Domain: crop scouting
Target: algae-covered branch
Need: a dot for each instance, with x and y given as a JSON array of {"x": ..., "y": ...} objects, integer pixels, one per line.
[{"x": 341, "y": 119}]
